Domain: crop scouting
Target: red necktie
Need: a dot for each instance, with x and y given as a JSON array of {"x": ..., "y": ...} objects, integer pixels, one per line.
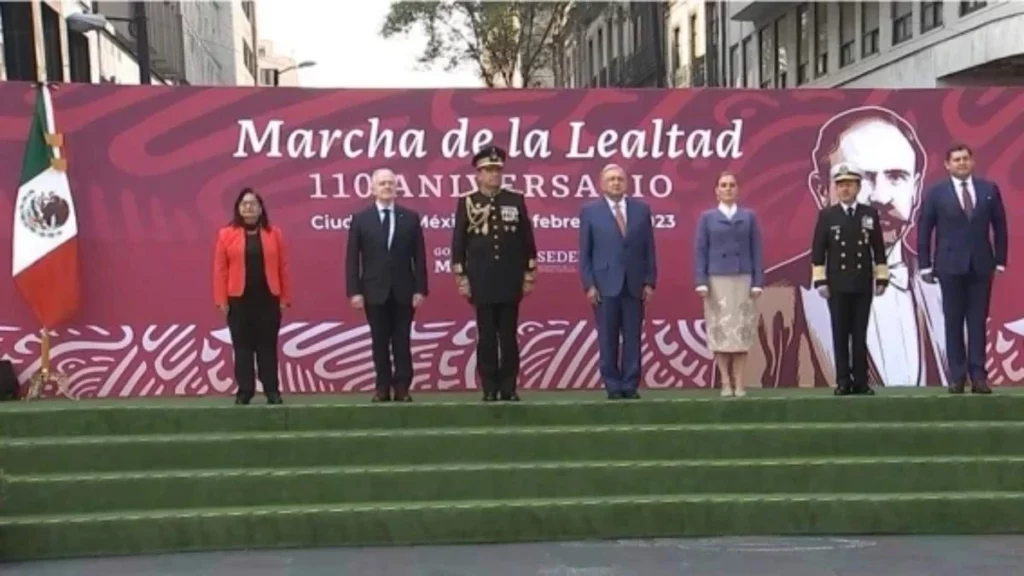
[{"x": 965, "y": 194}]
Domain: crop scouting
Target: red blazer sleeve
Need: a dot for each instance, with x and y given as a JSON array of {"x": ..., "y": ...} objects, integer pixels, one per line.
[
  {"x": 220, "y": 271},
  {"x": 283, "y": 272}
]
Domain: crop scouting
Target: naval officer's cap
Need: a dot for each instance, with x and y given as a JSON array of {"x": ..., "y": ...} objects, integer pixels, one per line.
[{"x": 845, "y": 172}]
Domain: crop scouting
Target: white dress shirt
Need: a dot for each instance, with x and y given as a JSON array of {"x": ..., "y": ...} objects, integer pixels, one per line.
[
  {"x": 621, "y": 203},
  {"x": 380, "y": 214},
  {"x": 958, "y": 187}
]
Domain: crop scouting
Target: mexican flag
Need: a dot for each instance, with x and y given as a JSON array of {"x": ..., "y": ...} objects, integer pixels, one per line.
[{"x": 45, "y": 258}]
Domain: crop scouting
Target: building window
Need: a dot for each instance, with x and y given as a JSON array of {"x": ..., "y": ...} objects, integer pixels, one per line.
[
  {"x": 715, "y": 67},
  {"x": 249, "y": 10},
  {"x": 51, "y": 44},
  {"x": 765, "y": 39},
  {"x": 249, "y": 58},
  {"x": 820, "y": 39},
  {"x": 692, "y": 45},
  {"x": 847, "y": 33},
  {"x": 698, "y": 72},
  {"x": 600, "y": 59},
  {"x": 749, "y": 61},
  {"x": 869, "y": 24},
  {"x": 268, "y": 77},
  {"x": 19, "y": 54},
  {"x": 78, "y": 57},
  {"x": 902, "y": 21},
  {"x": 636, "y": 32},
  {"x": 619, "y": 39},
  {"x": 803, "y": 44},
  {"x": 612, "y": 47},
  {"x": 711, "y": 10},
  {"x": 735, "y": 69},
  {"x": 592, "y": 69},
  {"x": 968, "y": 7},
  {"x": 931, "y": 15},
  {"x": 676, "y": 59},
  {"x": 781, "y": 32}
]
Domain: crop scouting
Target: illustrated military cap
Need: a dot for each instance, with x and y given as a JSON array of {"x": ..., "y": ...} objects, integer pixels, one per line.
[
  {"x": 844, "y": 171},
  {"x": 489, "y": 156}
]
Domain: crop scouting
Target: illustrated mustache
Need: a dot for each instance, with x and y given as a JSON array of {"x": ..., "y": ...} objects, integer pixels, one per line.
[{"x": 889, "y": 212}]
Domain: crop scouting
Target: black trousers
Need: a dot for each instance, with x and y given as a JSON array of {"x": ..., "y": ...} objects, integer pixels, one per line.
[
  {"x": 850, "y": 312},
  {"x": 390, "y": 324},
  {"x": 254, "y": 325},
  {"x": 497, "y": 347}
]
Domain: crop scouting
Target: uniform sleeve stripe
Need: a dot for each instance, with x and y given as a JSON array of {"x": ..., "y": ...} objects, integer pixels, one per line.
[{"x": 817, "y": 273}]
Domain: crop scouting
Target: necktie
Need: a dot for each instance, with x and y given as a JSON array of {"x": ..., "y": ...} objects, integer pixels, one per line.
[
  {"x": 620, "y": 218},
  {"x": 965, "y": 196},
  {"x": 849, "y": 211},
  {"x": 386, "y": 222}
]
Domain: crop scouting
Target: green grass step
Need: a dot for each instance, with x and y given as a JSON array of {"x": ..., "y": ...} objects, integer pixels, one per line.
[
  {"x": 97, "y": 417},
  {"x": 509, "y": 521},
  {"x": 506, "y": 444},
  {"x": 93, "y": 493}
]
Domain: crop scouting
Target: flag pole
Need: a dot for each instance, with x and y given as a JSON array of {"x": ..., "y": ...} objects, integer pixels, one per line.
[
  {"x": 46, "y": 374},
  {"x": 53, "y": 142}
]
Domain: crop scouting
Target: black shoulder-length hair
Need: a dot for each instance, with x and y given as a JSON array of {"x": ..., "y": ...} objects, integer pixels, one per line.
[{"x": 236, "y": 217}]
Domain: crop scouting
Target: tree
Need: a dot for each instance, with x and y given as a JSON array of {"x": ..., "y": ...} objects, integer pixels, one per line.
[{"x": 508, "y": 42}]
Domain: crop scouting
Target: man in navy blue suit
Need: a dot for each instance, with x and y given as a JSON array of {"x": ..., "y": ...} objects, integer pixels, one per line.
[
  {"x": 966, "y": 213},
  {"x": 619, "y": 272}
]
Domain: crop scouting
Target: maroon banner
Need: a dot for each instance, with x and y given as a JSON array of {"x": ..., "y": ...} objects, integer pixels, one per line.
[{"x": 155, "y": 170}]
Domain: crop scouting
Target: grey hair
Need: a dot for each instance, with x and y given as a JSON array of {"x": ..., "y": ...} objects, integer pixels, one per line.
[
  {"x": 613, "y": 166},
  {"x": 379, "y": 172}
]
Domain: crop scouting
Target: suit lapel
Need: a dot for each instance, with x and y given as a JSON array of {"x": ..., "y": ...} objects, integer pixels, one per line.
[{"x": 980, "y": 197}]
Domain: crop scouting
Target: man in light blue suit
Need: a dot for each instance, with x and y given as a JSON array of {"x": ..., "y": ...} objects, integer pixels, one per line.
[
  {"x": 619, "y": 271},
  {"x": 966, "y": 214}
]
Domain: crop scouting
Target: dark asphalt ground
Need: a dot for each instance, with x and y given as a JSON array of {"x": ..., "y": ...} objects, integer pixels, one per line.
[{"x": 846, "y": 556}]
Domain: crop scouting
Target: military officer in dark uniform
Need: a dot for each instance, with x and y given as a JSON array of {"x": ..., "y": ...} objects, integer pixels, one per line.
[
  {"x": 494, "y": 258},
  {"x": 848, "y": 269}
]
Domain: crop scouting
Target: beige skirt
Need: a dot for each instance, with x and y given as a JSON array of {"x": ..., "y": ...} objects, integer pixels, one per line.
[{"x": 730, "y": 314}]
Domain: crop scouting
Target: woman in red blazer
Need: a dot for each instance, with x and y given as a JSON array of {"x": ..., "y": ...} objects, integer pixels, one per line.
[{"x": 251, "y": 286}]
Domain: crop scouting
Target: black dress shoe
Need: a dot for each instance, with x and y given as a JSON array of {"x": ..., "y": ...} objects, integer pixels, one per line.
[
  {"x": 841, "y": 391},
  {"x": 980, "y": 388},
  {"x": 274, "y": 399},
  {"x": 490, "y": 397},
  {"x": 864, "y": 391},
  {"x": 380, "y": 398},
  {"x": 632, "y": 395},
  {"x": 956, "y": 388},
  {"x": 241, "y": 401},
  {"x": 615, "y": 396},
  {"x": 513, "y": 397},
  {"x": 403, "y": 397}
]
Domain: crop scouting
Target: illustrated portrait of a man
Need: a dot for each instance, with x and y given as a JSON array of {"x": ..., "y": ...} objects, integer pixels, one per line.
[{"x": 905, "y": 330}]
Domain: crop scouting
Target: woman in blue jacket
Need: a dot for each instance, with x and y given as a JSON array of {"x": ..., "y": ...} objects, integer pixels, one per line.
[{"x": 729, "y": 273}]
